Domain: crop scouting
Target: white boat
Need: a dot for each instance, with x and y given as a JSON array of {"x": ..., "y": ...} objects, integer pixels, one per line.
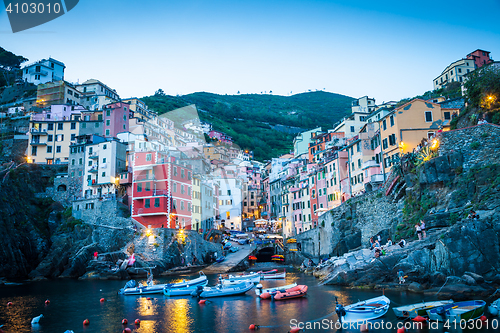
[
  {"x": 252, "y": 277},
  {"x": 458, "y": 311},
  {"x": 281, "y": 275},
  {"x": 259, "y": 290},
  {"x": 363, "y": 311},
  {"x": 494, "y": 308},
  {"x": 131, "y": 288},
  {"x": 228, "y": 282},
  {"x": 417, "y": 309},
  {"x": 181, "y": 291},
  {"x": 221, "y": 290}
]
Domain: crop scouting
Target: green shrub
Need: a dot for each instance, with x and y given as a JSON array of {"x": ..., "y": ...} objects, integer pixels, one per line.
[
  {"x": 453, "y": 218},
  {"x": 475, "y": 145}
]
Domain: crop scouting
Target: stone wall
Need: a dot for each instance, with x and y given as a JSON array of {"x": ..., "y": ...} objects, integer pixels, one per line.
[
  {"x": 351, "y": 225},
  {"x": 479, "y": 144},
  {"x": 106, "y": 212}
]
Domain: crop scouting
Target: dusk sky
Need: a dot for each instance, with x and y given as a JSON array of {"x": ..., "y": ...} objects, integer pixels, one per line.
[{"x": 384, "y": 49}]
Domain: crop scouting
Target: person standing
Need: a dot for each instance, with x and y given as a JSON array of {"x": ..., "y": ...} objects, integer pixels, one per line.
[
  {"x": 422, "y": 228},
  {"x": 419, "y": 231}
]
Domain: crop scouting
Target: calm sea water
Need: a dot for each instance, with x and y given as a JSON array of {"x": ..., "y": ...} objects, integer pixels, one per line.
[{"x": 73, "y": 301}]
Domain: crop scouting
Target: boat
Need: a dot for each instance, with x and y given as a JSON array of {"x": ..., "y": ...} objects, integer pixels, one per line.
[
  {"x": 455, "y": 312},
  {"x": 220, "y": 259},
  {"x": 417, "y": 309},
  {"x": 252, "y": 277},
  {"x": 181, "y": 291},
  {"x": 220, "y": 290},
  {"x": 272, "y": 271},
  {"x": 281, "y": 275},
  {"x": 131, "y": 287},
  {"x": 260, "y": 291},
  {"x": 295, "y": 292},
  {"x": 363, "y": 311},
  {"x": 494, "y": 308}
]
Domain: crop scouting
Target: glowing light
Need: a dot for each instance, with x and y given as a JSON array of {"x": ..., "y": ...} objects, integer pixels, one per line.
[
  {"x": 490, "y": 98},
  {"x": 148, "y": 232},
  {"x": 435, "y": 144}
]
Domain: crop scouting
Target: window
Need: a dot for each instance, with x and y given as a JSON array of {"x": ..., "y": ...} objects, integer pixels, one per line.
[
  {"x": 428, "y": 116},
  {"x": 60, "y": 137},
  {"x": 447, "y": 116},
  {"x": 139, "y": 187},
  {"x": 103, "y": 174},
  {"x": 175, "y": 187},
  {"x": 146, "y": 203},
  {"x": 451, "y": 73},
  {"x": 384, "y": 125},
  {"x": 90, "y": 163},
  {"x": 182, "y": 173},
  {"x": 80, "y": 161},
  {"x": 108, "y": 122},
  {"x": 352, "y": 129},
  {"x": 73, "y": 136},
  {"x": 84, "y": 125},
  {"x": 460, "y": 70},
  {"x": 96, "y": 125},
  {"x": 58, "y": 149},
  {"x": 72, "y": 160},
  {"x": 189, "y": 177},
  {"x": 107, "y": 132},
  {"x": 392, "y": 139},
  {"x": 157, "y": 202},
  {"x": 50, "y": 127},
  {"x": 182, "y": 205},
  {"x": 392, "y": 120},
  {"x": 148, "y": 186},
  {"x": 182, "y": 189},
  {"x": 359, "y": 163},
  {"x": 49, "y": 149},
  {"x": 148, "y": 157},
  {"x": 50, "y": 138},
  {"x": 108, "y": 113},
  {"x": 175, "y": 171},
  {"x": 384, "y": 144},
  {"x": 104, "y": 147},
  {"x": 60, "y": 126}
]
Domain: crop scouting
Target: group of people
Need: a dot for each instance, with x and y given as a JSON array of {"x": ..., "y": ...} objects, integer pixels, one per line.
[
  {"x": 482, "y": 121},
  {"x": 473, "y": 216},
  {"x": 380, "y": 250},
  {"x": 420, "y": 228}
]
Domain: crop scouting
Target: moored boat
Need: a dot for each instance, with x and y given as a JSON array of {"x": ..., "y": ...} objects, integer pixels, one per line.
[
  {"x": 260, "y": 291},
  {"x": 494, "y": 308},
  {"x": 455, "y": 312},
  {"x": 252, "y": 277},
  {"x": 281, "y": 275},
  {"x": 417, "y": 309},
  {"x": 220, "y": 290},
  {"x": 363, "y": 311},
  {"x": 295, "y": 292},
  {"x": 131, "y": 288},
  {"x": 186, "y": 291}
]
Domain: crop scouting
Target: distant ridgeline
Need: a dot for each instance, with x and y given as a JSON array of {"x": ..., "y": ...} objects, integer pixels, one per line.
[{"x": 263, "y": 123}]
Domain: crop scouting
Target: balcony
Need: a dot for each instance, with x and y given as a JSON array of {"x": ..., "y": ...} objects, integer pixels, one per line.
[
  {"x": 370, "y": 164},
  {"x": 34, "y": 71},
  {"x": 94, "y": 156},
  {"x": 93, "y": 170},
  {"x": 37, "y": 143},
  {"x": 39, "y": 132},
  {"x": 144, "y": 177},
  {"x": 377, "y": 179}
]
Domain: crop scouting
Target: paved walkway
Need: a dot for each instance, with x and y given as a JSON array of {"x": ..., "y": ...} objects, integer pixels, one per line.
[{"x": 232, "y": 260}]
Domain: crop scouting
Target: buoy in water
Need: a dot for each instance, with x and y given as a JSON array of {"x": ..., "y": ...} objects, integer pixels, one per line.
[
  {"x": 148, "y": 298},
  {"x": 9, "y": 303},
  {"x": 419, "y": 319},
  {"x": 47, "y": 302},
  {"x": 137, "y": 322},
  {"x": 127, "y": 330},
  {"x": 202, "y": 301},
  {"x": 124, "y": 322},
  {"x": 401, "y": 330},
  {"x": 483, "y": 318},
  {"x": 102, "y": 300},
  {"x": 86, "y": 322},
  {"x": 253, "y": 327},
  {"x": 363, "y": 328}
]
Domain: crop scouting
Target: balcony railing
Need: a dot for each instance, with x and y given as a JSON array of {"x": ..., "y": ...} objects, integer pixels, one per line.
[
  {"x": 40, "y": 132},
  {"x": 377, "y": 179},
  {"x": 370, "y": 164},
  {"x": 93, "y": 170},
  {"x": 34, "y": 71},
  {"x": 38, "y": 143}
]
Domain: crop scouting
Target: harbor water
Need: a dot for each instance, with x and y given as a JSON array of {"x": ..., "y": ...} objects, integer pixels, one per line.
[{"x": 73, "y": 301}]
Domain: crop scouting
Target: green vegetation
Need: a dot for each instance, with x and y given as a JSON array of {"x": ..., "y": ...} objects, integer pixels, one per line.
[
  {"x": 451, "y": 91},
  {"x": 250, "y": 119},
  {"x": 475, "y": 145},
  {"x": 10, "y": 65}
]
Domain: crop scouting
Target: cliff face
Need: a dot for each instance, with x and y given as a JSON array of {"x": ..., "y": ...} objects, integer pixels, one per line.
[{"x": 442, "y": 192}]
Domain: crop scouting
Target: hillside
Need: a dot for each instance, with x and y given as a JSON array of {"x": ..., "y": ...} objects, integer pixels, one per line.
[{"x": 251, "y": 119}]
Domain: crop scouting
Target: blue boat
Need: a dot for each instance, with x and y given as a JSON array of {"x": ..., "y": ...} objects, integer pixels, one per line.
[
  {"x": 131, "y": 288},
  {"x": 220, "y": 259},
  {"x": 455, "y": 312},
  {"x": 363, "y": 311}
]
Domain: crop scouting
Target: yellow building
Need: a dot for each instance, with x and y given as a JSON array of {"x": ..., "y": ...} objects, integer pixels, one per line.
[{"x": 402, "y": 130}]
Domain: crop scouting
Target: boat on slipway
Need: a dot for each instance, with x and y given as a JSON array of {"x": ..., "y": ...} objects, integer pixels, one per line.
[
  {"x": 455, "y": 312},
  {"x": 221, "y": 290},
  {"x": 363, "y": 311},
  {"x": 417, "y": 309},
  {"x": 131, "y": 288}
]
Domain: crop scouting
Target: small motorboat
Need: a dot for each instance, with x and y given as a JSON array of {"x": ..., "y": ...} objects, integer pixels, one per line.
[
  {"x": 272, "y": 271},
  {"x": 259, "y": 291},
  {"x": 417, "y": 309},
  {"x": 252, "y": 277},
  {"x": 220, "y": 259},
  {"x": 220, "y": 290},
  {"x": 362, "y": 311},
  {"x": 295, "y": 292},
  {"x": 458, "y": 311},
  {"x": 131, "y": 288},
  {"x": 181, "y": 291},
  {"x": 494, "y": 308},
  {"x": 281, "y": 275}
]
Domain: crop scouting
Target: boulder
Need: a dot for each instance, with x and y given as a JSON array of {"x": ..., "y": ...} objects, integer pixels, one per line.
[
  {"x": 478, "y": 278},
  {"x": 469, "y": 280},
  {"x": 415, "y": 287}
]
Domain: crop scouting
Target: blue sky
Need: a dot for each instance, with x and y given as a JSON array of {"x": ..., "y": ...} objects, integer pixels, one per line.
[{"x": 387, "y": 50}]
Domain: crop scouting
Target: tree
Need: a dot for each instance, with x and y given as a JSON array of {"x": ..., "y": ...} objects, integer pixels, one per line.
[
  {"x": 9, "y": 65},
  {"x": 483, "y": 88},
  {"x": 159, "y": 92}
]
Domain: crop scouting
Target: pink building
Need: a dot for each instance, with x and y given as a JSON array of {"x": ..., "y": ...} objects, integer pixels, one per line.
[
  {"x": 220, "y": 136},
  {"x": 161, "y": 191},
  {"x": 345, "y": 181},
  {"x": 116, "y": 118},
  {"x": 480, "y": 57}
]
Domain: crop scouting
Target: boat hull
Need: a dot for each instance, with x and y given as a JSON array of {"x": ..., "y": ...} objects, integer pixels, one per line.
[
  {"x": 417, "y": 309},
  {"x": 254, "y": 278},
  {"x": 158, "y": 288},
  {"x": 295, "y": 292},
  {"x": 238, "y": 289},
  {"x": 273, "y": 276},
  {"x": 181, "y": 291},
  {"x": 366, "y": 310},
  {"x": 260, "y": 291},
  {"x": 455, "y": 312}
]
